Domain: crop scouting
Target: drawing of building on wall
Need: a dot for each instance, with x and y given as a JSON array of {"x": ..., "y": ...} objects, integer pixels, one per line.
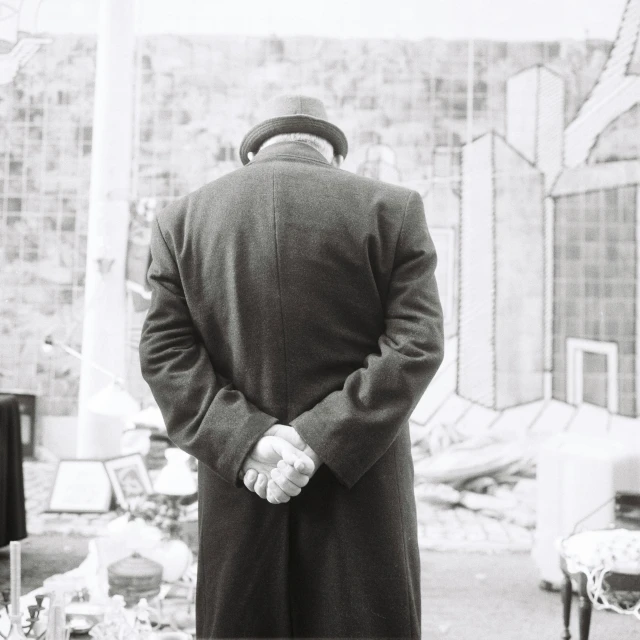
[
  {"x": 549, "y": 267},
  {"x": 402, "y": 104},
  {"x": 17, "y": 45}
]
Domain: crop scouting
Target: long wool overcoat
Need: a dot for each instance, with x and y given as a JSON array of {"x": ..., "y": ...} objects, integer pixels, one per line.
[{"x": 293, "y": 292}]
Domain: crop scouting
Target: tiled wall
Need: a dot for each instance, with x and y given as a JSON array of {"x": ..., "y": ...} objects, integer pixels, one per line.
[
  {"x": 45, "y": 155},
  {"x": 595, "y": 286},
  {"x": 195, "y": 98}
]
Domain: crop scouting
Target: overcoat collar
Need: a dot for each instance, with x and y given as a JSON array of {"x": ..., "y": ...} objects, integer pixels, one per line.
[{"x": 295, "y": 150}]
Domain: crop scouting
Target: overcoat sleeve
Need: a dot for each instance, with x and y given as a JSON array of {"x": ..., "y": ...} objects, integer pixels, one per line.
[
  {"x": 204, "y": 414},
  {"x": 351, "y": 428}
]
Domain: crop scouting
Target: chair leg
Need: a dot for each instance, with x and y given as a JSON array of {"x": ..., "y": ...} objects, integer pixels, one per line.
[
  {"x": 585, "y": 609},
  {"x": 567, "y": 594}
]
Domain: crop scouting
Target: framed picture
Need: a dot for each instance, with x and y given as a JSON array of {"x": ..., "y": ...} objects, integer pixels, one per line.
[
  {"x": 81, "y": 486},
  {"x": 129, "y": 478}
]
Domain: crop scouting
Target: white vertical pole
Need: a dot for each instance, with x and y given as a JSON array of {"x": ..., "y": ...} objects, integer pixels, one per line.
[
  {"x": 103, "y": 337},
  {"x": 470, "y": 85}
]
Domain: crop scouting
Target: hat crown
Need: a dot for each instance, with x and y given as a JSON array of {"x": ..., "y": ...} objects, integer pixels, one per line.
[
  {"x": 292, "y": 113},
  {"x": 294, "y": 105}
]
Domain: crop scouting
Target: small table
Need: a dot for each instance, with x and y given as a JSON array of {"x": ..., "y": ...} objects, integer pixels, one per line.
[
  {"x": 611, "y": 556},
  {"x": 13, "y": 519}
]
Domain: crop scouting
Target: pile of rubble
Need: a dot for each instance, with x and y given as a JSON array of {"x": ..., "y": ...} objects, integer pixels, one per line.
[{"x": 488, "y": 473}]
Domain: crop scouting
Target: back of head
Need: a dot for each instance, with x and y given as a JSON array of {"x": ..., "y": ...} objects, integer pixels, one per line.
[{"x": 320, "y": 144}]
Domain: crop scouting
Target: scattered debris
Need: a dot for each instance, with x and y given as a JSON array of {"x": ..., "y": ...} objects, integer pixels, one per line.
[
  {"x": 483, "y": 473},
  {"x": 440, "y": 494},
  {"x": 437, "y": 437},
  {"x": 474, "y": 458}
]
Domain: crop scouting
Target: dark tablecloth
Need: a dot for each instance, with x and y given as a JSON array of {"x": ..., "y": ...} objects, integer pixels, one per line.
[{"x": 13, "y": 520}]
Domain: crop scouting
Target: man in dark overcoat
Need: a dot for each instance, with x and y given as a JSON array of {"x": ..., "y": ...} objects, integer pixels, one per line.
[{"x": 292, "y": 299}]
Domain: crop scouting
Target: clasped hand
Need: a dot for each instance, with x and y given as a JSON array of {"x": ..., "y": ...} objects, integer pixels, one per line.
[{"x": 280, "y": 465}]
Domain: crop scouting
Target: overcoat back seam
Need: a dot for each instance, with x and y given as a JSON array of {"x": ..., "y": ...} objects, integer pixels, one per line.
[{"x": 279, "y": 283}]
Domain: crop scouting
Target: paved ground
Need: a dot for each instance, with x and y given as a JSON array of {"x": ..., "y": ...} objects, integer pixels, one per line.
[
  {"x": 459, "y": 529},
  {"x": 467, "y": 596},
  {"x": 440, "y": 529}
]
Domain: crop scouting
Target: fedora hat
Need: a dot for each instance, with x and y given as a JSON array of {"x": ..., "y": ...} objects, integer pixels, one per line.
[{"x": 293, "y": 114}]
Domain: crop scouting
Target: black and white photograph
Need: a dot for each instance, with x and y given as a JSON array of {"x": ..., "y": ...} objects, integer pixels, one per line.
[{"x": 320, "y": 320}]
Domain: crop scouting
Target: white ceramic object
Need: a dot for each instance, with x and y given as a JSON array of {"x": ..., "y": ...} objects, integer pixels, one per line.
[
  {"x": 174, "y": 556},
  {"x": 135, "y": 441},
  {"x": 176, "y": 479}
]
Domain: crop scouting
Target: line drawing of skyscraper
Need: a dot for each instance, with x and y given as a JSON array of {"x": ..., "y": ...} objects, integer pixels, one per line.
[
  {"x": 571, "y": 308},
  {"x": 501, "y": 262}
]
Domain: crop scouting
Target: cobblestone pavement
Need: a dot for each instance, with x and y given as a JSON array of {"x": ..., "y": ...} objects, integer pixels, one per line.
[
  {"x": 440, "y": 529},
  {"x": 459, "y": 529}
]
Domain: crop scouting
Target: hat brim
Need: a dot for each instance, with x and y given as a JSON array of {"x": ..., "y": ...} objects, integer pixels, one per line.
[{"x": 293, "y": 124}]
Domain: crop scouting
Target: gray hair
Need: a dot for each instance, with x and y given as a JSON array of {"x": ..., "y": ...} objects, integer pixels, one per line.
[{"x": 318, "y": 143}]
